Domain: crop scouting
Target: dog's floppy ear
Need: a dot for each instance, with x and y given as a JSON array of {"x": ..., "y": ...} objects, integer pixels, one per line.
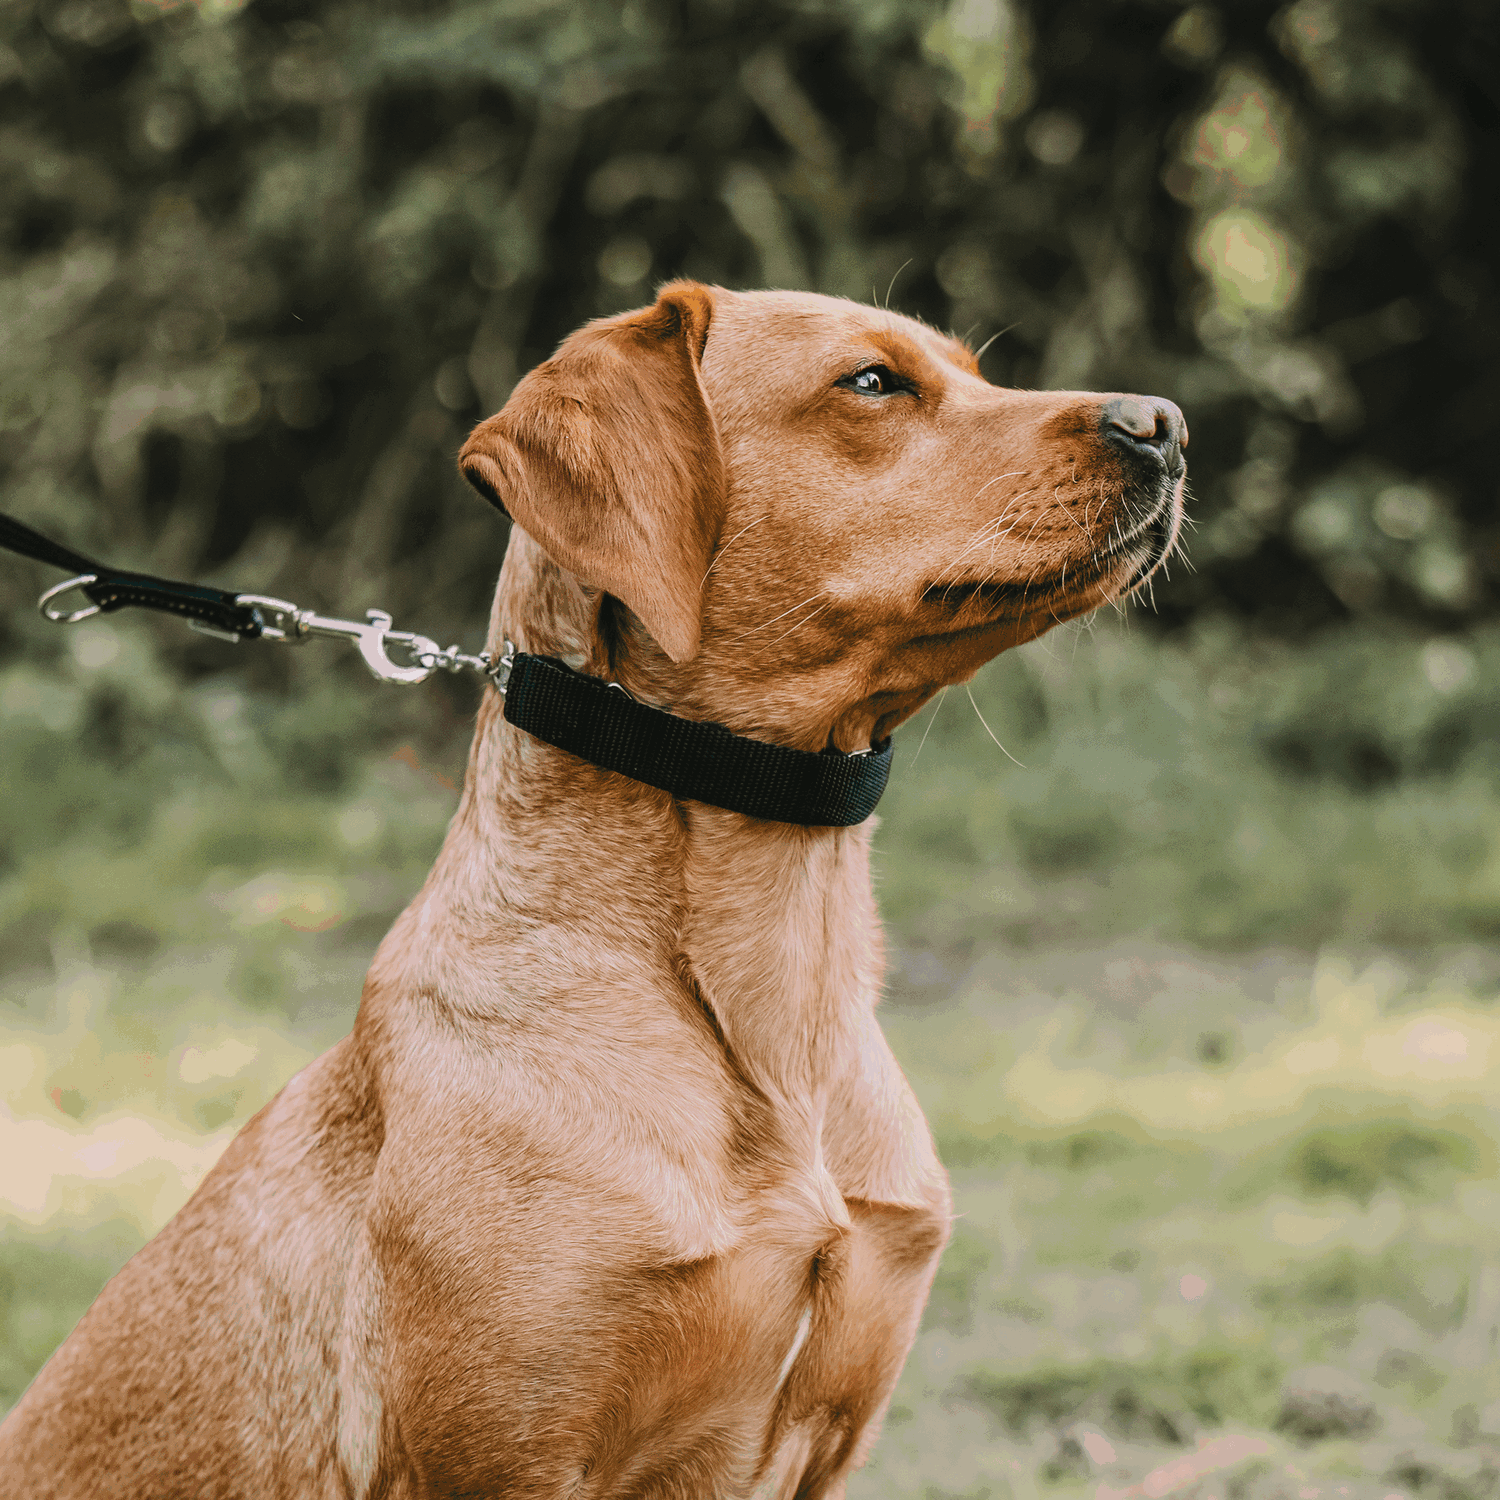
[{"x": 609, "y": 456}]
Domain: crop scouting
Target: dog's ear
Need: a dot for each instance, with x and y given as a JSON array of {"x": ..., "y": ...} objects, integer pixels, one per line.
[{"x": 609, "y": 456}]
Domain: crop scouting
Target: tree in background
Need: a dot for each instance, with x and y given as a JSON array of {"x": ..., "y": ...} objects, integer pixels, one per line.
[{"x": 262, "y": 266}]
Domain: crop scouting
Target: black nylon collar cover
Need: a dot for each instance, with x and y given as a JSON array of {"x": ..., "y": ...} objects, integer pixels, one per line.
[{"x": 705, "y": 762}]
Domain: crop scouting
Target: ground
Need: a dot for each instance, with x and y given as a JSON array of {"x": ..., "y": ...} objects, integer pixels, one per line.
[{"x": 1200, "y": 1001}]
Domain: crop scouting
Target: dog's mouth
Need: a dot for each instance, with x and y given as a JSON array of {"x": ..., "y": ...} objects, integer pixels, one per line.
[
  {"x": 1154, "y": 542},
  {"x": 1074, "y": 588}
]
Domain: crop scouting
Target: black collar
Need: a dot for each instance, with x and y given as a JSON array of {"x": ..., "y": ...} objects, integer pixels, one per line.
[{"x": 601, "y": 723}]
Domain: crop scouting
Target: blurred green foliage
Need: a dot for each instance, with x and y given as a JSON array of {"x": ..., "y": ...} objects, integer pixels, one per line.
[{"x": 260, "y": 265}]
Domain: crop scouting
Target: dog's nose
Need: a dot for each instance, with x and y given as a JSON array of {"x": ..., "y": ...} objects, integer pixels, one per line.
[{"x": 1140, "y": 423}]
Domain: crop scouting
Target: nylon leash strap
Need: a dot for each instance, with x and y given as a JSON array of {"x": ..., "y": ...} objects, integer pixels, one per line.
[{"x": 109, "y": 589}]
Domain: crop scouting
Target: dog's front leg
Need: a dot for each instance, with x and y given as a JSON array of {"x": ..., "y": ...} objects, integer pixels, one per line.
[{"x": 869, "y": 1289}]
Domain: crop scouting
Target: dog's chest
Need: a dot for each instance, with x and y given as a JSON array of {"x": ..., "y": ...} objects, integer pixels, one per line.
[
  {"x": 597, "y": 1363},
  {"x": 760, "y": 1361}
]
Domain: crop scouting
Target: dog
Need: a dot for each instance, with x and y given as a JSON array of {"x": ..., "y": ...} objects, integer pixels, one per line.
[{"x": 615, "y": 1189}]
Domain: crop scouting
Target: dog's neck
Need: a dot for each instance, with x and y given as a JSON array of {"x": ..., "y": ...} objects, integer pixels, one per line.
[{"x": 771, "y": 927}]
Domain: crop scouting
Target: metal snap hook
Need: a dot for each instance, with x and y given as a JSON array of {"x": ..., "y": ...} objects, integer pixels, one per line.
[
  {"x": 372, "y": 643},
  {"x": 371, "y": 637},
  {"x": 66, "y": 587},
  {"x": 279, "y": 618}
]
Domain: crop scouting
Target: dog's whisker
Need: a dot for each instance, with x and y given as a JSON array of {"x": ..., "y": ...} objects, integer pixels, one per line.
[
  {"x": 990, "y": 531},
  {"x": 978, "y": 541},
  {"x": 888, "y": 290},
  {"x": 1103, "y": 498},
  {"x": 766, "y": 645},
  {"x": 781, "y": 616},
  {"x": 974, "y": 598},
  {"x": 727, "y": 545},
  {"x": 1087, "y": 623},
  {"x": 892, "y": 287},
  {"x": 1067, "y": 511},
  {"x": 980, "y": 536},
  {"x": 999, "y": 535},
  {"x": 1014, "y": 474},
  {"x": 990, "y": 525},
  {"x": 1006, "y": 753},
  {"x": 931, "y": 721},
  {"x": 979, "y": 352}
]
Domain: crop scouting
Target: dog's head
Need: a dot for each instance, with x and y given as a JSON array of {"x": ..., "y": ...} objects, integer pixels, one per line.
[{"x": 816, "y": 513}]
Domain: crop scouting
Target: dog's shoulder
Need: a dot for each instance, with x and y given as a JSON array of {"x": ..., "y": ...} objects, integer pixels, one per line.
[{"x": 876, "y": 1141}]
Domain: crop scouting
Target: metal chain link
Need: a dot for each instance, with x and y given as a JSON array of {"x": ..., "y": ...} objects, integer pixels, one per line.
[{"x": 283, "y": 621}]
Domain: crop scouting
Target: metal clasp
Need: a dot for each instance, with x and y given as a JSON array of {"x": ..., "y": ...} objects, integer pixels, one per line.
[
  {"x": 283, "y": 621},
  {"x": 373, "y": 636},
  {"x": 67, "y": 587},
  {"x": 499, "y": 672}
]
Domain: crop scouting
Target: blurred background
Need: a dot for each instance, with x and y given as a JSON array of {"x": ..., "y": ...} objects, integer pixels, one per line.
[{"x": 1197, "y": 979}]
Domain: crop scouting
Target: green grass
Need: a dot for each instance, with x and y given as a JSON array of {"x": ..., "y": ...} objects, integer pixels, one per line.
[
  {"x": 1199, "y": 1000},
  {"x": 1214, "y": 791},
  {"x": 47, "y": 1281}
]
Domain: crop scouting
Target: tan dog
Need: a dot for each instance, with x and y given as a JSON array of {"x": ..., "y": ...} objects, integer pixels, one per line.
[{"x": 615, "y": 1189}]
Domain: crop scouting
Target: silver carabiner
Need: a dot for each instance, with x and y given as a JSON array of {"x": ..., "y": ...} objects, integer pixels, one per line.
[
  {"x": 371, "y": 638},
  {"x": 281, "y": 620},
  {"x": 67, "y": 587}
]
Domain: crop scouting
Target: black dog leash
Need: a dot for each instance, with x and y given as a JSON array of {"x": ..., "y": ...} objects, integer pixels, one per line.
[
  {"x": 109, "y": 589},
  {"x": 597, "y": 721}
]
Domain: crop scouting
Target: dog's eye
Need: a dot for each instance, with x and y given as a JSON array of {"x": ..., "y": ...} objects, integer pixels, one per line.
[{"x": 874, "y": 380}]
